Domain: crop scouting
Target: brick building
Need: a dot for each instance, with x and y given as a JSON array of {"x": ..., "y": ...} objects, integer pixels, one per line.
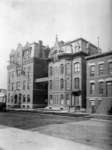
[
  {"x": 67, "y": 74},
  {"x": 27, "y": 64},
  {"x": 99, "y": 82}
]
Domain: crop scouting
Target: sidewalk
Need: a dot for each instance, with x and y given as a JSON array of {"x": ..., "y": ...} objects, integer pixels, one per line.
[{"x": 17, "y": 139}]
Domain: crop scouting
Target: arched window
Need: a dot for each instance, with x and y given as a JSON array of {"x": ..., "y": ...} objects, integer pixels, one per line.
[
  {"x": 61, "y": 84},
  {"x": 68, "y": 68},
  {"x": 62, "y": 69}
]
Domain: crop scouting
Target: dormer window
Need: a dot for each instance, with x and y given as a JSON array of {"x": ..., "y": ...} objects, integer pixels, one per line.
[
  {"x": 27, "y": 53},
  {"x": 18, "y": 57}
]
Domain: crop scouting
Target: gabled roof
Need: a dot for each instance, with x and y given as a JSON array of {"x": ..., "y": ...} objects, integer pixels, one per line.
[
  {"x": 27, "y": 46},
  {"x": 12, "y": 52}
]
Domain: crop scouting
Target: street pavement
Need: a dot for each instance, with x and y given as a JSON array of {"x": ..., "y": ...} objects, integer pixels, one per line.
[{"x": 17, "y": 139}]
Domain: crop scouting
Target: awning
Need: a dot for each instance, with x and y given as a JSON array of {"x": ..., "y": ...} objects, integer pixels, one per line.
[
  {"x": 42, "y": 80},
  {"x": 76, "y": 92}
]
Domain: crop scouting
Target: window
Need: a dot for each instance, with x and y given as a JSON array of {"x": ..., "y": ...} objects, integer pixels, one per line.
[
  {"x": 62, "y": 68},
  {"x": 76, "y": 67},
  {"x": 18, "y": 73},
  {"x": 51, "y": 71},
  {"x": 25, "y": 71},
  {"x": 68, "y": 68},
  {"x": 29, "y": 75},
  {"x": 110, "y": 68},
  {"x": 61, "y": 83},
  {"x": 50, "y": 86},
  {"x": 13, "y": 74},
  {"x": 61, "y": 99},
  {"x": 18, "y": 57},
  {"x": 12, "y": 99},
  {"x": 11, "y": 60},
  {"x": 28, "y": 98},
  {"x": 92, "y": 70},
  {"x": 92, "y": 88},
  {"x": 9, "y": 76},
  {"x": 100, "y": 87},
  {"x": 68, "y": 84},
  {"x": 28, "y": 85},
  {"x": 27, "y": 53},
  {"x": 9, "y": 86},
  {"x": 109, "y": 89},
  {"x": 68, "y": 99},
  {"x": 100, "y": 69},
  {"x": 24, "y": 85},
  {"x": 8, "y": 97},
  {"x": 24, "y": 98},
  {"x": 76, "y": 83},
  {"x": 18, "y": 85},
  {"x": 50, "y": 99},
  {"x": 12, "y": 86}
]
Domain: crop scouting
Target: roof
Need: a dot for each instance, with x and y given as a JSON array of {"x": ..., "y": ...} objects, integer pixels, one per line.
[{"x": 99, "y": 55}]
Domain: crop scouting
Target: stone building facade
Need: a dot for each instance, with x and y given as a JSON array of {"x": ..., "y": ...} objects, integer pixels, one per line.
[
  {"x": 67, "y": 74},
  {"x": 99, "y": 83},
  {"x": 27, "y": 64}
]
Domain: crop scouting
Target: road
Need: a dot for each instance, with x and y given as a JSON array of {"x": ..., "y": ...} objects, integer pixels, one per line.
[{"x": 86, "y": 131}]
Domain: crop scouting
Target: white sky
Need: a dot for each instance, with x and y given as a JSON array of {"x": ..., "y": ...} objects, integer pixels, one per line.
[{"x": 34, "y": 20}]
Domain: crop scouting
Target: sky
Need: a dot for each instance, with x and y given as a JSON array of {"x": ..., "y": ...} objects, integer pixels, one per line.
[{"x": 24, "y": 21}]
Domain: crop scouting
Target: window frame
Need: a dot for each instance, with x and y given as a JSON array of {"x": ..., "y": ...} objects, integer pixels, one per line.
[
  {"x": 92, "y": 72},
  {"x": 76, "y": 67}
]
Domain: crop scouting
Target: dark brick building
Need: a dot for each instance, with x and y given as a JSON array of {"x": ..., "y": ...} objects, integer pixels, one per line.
[
  {"x": 26, "y": 65},
  {"x": 99, "y": 83},
  {"x": 67, "y": 74}
]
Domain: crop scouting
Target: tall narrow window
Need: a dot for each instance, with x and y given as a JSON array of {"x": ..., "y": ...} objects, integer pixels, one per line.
[
  {"x": 24, "y": 98},
  {"x": 29, "y": 73},
  {"x": 62, "y": 68},
  {"x": 51, "y": 71},
  {"x": 110, "y": 67},
  {"x": 28, "y": 85},
  {"x": 18, "y": 57},
  {"x": 61, "y": 83},
  {"x": 101, "y": 69},
  {"x": 109, "y": 89},
  {"x": 25, "y": 71},
  {"x": 76, "y": 67},
  {"x": 100, "y": 87},
  {"x": 50, "y": 84},
  {"x": 50, "y": 99},
  {"x": 92, "y": 70},
  {"x": 28, "y": 98},
  {"x": 68, "y": 68},
  {"x": 61, "y": 99},
  {"x": 24, "y": 85},
  {"x": 13, "y": 74},
  {"x": 12, "y": 86},
  {"x": 68, "y": 84},
  {"x": 92, "y": 88},
  {"x": 18, "y": 85},
  {"x": 76, "y": 83},
  {"x": 68, "y": 99}
]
